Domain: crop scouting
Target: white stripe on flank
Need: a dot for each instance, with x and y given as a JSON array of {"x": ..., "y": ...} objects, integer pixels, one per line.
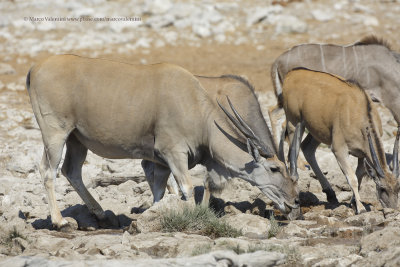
[
  {"x": 356, "y": 60},
  {"x": 278, "y": 83},
  {"x": 322, "y": 58},
  {"x": 287, "y": 60},
  {"x": 344, "y": 62},
  {"x": 298, "y": 54},
  {"x": 366, "y": 67}
]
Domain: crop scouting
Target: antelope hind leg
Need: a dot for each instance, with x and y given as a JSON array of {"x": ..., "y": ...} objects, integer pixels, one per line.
[
  {"x": 72, "y": 169},
  {"x": 48, "y": 174},
  {"x": 53, "y": 147},
  {"x": 309, "y": 147}
]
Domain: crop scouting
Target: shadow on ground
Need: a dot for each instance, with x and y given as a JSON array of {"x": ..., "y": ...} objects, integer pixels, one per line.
[{"x": 86, "y": 221}]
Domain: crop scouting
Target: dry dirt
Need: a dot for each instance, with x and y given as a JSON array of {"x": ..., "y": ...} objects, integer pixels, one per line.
[{"x": 219, "y": 38}]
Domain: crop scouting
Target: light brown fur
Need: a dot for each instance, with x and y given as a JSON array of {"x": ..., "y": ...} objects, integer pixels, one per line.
[
  {"x": 241, "y": 92},
  {"x": 338, "y": 113},
  {"x": 159, "y": 113}
]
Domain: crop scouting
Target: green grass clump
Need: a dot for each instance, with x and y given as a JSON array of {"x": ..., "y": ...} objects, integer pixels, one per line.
[
  {"x": 199, "y": 220},
  {"x": 14, "y": 233},
  {"x": 275, "y": 228},
  {"x": 7, "y": 239}
]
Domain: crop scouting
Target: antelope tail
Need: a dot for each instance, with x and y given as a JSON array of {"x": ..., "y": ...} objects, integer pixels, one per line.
[
  {"x": 277, "y": 83},
  {"x": 28, "y": 80}
]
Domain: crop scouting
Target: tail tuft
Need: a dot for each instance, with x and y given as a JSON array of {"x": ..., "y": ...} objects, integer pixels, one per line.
[
  {"x": 28, "y": 80},
  {"x": 277, "y": 83}
]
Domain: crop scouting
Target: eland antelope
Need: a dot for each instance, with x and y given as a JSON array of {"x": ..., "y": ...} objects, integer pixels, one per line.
[
  {"x": 338, "y": 113},
  {"x": 370, "y": 62},
  {"x": 159, "y": 113},
  {"x": 242, "y": 93}
]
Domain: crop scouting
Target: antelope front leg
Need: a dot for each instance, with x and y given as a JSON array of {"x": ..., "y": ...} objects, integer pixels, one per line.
[
  {"x": 207, "y": 194},
  {"x": 172, "y": 186},
  {"x": 360, "y": 173},
  {"x": 178, "y": 164},
  {"x": 342, "y": 158}
]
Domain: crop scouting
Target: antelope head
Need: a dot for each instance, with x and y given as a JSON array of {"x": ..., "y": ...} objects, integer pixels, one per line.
[
  {"x": 387, "y": 184},
  {"x": 268, "y": 173}
]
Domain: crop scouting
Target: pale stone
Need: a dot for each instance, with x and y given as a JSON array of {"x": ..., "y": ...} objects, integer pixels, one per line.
[
  {"x": 157, "y": 6},
  {"x": 322, "y": 15},
  {"x": 365, "y": 219},
  {"x": 250, "y": 225},
  {"x": 325, "y": 253},
  {"x": 15, "y": 87},
  {"x": 343, "y": 212},
  {"x": 168, "y": 244},
  {"x": 6, "y": 69},
  {"x": 293, "y": 229},
  {"x": 290, "y": 24},
  {"x": 216, "y": 258},
  {"x": 380, "y": 240}
]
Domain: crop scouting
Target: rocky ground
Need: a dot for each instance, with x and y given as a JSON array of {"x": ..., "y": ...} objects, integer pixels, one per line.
[{"x": 210, "y": 38}]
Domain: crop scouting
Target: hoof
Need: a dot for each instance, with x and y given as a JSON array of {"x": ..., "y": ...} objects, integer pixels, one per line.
[
  {"x": 67, "y": 224},
  {"x": 133, "y": 228},
  {"x": 355, "y": 208},
  {"x": 295, "y": 214},
  {"x": 110, "y": 220},
  {"x": 360, "y": 211},
  {"x": 331, "y": 196}
]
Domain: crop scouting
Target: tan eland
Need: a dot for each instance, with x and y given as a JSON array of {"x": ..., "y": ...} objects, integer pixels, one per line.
[
  {"x": 242, "y": 93},
  {"x": 159, "y": 113},
  {"x": 340, "y": 114}
]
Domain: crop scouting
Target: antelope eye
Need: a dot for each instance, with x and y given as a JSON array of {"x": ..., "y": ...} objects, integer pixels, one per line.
[{"x": 275, "y": 169}]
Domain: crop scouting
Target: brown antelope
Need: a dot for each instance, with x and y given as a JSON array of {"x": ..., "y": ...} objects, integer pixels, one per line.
[
  {"x": 159, "y": 113},
  {"x": 340, "y": 114},
  {"x": 369, "y": 62}
]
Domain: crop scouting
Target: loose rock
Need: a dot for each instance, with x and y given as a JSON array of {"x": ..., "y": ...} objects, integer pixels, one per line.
[
  {"x": 6, "y": 69},
  {"x": 250, "y": 225}
]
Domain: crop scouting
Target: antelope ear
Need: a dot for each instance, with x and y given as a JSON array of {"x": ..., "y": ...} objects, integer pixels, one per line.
[
  {"x": 253, "y": 150},
  {"x": 281, "y": 149}
]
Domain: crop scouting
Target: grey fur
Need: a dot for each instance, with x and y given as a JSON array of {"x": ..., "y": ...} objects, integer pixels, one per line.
[{"x": 369, "y": 62}]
